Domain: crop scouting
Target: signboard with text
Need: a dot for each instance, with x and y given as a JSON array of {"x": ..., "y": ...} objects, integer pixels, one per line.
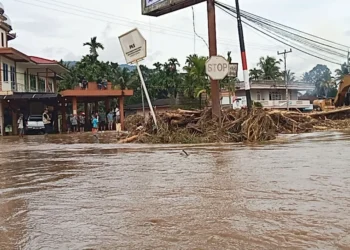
[
  {"x": 161, "y": 7},
  {"x": 133, "y": 45}
]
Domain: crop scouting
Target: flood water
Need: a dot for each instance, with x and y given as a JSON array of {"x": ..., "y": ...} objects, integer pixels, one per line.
[{"x": 73, "y": 192}]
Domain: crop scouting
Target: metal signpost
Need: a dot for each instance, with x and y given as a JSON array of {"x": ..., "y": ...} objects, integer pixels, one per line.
[
  {"x": 135, "y": 49},
  {"x": 217, "y": 67}
]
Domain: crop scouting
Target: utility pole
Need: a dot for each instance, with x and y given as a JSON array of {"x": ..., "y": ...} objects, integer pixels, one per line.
[
  {"x": 244, "y": 57},
  {"x": 214, "y": 84},
  {"x": 285, "y": 73},
  {"x": 348, "y": 62}
]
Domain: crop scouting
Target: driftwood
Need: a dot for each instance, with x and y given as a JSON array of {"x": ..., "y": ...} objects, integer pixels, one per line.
[
  {"x": 129, "y": 139},
  {"x": 330, "y": 112},
  {"x": 194, "y": 126}
]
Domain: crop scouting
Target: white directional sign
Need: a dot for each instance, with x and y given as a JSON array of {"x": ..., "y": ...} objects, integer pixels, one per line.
[
  {"x": 133, "y": 46},
  {"x": 217, "y": 67}
]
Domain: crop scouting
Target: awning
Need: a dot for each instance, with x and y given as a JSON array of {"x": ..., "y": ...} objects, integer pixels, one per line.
[{"x": 30, "y": 96}]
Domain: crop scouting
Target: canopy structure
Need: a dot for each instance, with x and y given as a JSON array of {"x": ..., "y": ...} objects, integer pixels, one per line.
[{"x": 92, "y": 94}]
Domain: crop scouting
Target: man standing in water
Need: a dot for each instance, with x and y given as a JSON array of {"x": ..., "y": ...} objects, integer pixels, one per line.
[
  {"x": 47, "y": 121},
  {"x": 20, "y": 123}
]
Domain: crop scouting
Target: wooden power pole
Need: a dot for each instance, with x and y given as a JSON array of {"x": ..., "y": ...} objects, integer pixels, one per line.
[{"x": 214, "y": 84}]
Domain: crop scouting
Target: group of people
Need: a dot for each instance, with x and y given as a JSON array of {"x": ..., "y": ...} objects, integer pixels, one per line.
[
  {"x": 99, "y": 121},
  {"x": 101, "y": 83}
]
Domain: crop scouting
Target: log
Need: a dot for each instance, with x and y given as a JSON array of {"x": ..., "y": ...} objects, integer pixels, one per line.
[
  {"x": 194, "y": 112},
  {"x": 129, "y": 139},
  {"x": 324, "y": 113},
  {"x": 173, "y": 115}
]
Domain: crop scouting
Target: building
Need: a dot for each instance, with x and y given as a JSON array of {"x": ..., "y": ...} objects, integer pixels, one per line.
[
  {"x": 27, "y": 83},
  {"x": 271, "y": 94}
]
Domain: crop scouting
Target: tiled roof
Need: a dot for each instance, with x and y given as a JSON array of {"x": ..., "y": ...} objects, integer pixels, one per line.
[{"x": 39, "y": 60}]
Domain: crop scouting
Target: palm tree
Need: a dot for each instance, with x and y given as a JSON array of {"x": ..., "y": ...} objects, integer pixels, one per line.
[
  {"x": 255, "y": 74},
  {"x": 290, "y": 76},
  {"x": 94, "y": 45},
  {"x": 196, "y": 81},
  {"x": 340, "y": 73},
  {"x": 270, "y": 68}
]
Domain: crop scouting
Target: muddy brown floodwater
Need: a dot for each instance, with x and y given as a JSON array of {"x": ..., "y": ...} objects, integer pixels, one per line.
[{"x": 64, "y": 192}]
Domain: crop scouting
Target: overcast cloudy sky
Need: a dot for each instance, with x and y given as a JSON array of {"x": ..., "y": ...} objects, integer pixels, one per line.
[{"x": 58, "y": 28}]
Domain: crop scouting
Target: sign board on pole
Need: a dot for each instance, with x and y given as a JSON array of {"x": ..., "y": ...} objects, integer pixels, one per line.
[
  {"x": 233, "y": 69},
  {"x": 133, "y": 46},
  {"x": 217, "y": 67},
  {"x": 162, "y": 7},
  {"x": 134, "y": 49}
]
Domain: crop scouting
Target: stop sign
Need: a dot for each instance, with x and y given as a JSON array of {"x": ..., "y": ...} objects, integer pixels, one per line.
[{"x": 217, "y": 67}]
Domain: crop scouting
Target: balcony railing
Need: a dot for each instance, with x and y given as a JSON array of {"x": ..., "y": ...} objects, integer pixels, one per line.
[{"x": 282, "y": 104}]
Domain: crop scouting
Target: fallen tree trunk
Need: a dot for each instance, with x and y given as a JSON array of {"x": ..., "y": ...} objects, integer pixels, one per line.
[{"x": 129, "y": 139}]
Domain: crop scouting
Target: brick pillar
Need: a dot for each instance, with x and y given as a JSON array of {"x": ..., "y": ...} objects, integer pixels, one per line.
[{"x": 75, "y": 105}]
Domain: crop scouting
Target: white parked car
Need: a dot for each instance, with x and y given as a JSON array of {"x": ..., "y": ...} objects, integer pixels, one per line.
[{"x": 35, "y": 124}]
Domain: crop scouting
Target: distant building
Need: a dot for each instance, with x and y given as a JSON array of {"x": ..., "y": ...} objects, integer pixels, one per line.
[{"x": 271, "y": 94}]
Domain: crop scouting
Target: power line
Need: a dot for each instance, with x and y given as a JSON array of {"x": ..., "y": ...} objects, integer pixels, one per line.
[
  {"x": 247, "y": 13},
  {"x": 286, "y": 33},
  {"x": 277, "y": 39},
  {"x": 183, "y": 34}
]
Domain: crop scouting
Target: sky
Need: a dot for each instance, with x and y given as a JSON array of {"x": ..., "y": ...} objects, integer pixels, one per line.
[{"x": 57, "y": 29}]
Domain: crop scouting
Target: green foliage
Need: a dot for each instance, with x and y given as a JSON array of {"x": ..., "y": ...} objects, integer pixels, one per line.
[
  {"x": 257, "y": 104},
  {"x": 321, "y": 77}
]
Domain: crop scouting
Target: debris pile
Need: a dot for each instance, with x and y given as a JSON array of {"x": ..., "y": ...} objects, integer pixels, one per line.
[{"x": 197, "y": 126}]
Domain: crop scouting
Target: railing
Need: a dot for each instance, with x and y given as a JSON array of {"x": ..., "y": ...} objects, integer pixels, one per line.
[{"x": 282, "y": 104}]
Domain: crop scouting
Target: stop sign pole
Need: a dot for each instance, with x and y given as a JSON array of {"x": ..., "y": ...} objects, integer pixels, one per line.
[{"x": 214, "y": 84}]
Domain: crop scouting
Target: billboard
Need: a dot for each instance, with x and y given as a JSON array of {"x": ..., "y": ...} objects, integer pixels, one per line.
[{"x": 161, "y": 7}]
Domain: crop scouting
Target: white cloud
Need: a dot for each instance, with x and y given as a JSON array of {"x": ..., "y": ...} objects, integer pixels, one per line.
[{"x": 49, "y": 33}]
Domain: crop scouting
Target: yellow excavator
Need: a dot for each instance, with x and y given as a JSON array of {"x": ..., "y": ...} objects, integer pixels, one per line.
[{"x": 339, "y": 100}]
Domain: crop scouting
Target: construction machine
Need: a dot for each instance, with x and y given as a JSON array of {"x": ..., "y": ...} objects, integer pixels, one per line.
[{"x": 341, "y": 99}]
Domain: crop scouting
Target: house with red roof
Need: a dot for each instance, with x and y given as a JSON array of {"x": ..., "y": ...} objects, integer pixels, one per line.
[{"x": 27, "y": 83}]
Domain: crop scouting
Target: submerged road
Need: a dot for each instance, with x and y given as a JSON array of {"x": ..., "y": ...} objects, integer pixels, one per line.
[{"x": 76, "y": 193}]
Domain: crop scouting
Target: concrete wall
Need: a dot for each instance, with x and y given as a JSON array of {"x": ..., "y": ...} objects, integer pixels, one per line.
[
  {"x": 6, "y": 85},
  {"x": 3, "y": 38}
]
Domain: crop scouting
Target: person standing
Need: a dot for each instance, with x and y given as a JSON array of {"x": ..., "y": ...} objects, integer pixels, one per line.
[
  {"x": 47, "y": 121},
  {"x": 117, "y": 114},
  {"x": 102, "y": 121},
  {"x": 82, "y": 122},
  {"x": 20, "y": 123},
  {"x": 74, "y": 121},
  {"x": 110, "y": 119},
  {"x": 94, "y": 125}
]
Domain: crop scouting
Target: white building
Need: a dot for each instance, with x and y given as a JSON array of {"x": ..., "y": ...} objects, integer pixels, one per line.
[
  {"x": 25, "y": 81},
  {"x": 271, "y": 94}
]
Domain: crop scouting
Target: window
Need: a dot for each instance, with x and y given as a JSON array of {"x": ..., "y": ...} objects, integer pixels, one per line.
[
  {"x": 274, "y": 95},
  {"x": 12, "y": 74},
  {"x": 5, "y": 69},
  {"x": 32, "y": 82},
  {"x": 41, "y": 84},
  {"x": 2, "y": 40}
]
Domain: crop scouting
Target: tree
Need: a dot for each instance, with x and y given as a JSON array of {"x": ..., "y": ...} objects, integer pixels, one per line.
[
  {"x": 196, "y": 80},
  {"x": 94, "y": 45},
  {"x": 340, "y": 73},
  {"x": 290, "y": 76},
  {"x": 270, "y": 68},
  {"x": 319, "y": 76},
  {"x": 255, "y": 74}
]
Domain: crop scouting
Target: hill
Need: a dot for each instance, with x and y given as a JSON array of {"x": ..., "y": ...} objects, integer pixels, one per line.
[{"x": 129, "y": 67}]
